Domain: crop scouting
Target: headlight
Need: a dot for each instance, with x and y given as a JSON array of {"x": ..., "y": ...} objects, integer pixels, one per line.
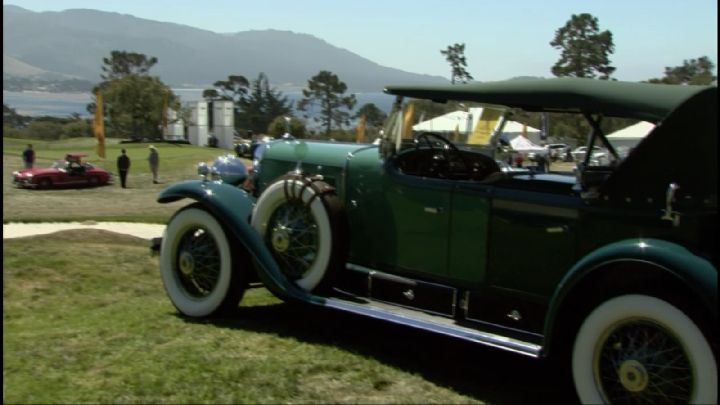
[
  {"x": 203, "y": 170},
  {"x": 228, "y": 169}
]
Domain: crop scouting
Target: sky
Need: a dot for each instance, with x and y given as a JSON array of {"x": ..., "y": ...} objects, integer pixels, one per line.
[{"x": 503, "y": 39}]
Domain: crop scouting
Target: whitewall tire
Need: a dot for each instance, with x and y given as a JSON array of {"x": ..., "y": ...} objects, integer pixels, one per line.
[
  {"x": 196, "y": 265},
  {"x": 296, "y": 218},
  {"x": 641, "y": 349}
]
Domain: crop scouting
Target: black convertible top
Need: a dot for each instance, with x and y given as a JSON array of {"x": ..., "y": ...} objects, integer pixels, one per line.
[{"x": 642, "y": 101}]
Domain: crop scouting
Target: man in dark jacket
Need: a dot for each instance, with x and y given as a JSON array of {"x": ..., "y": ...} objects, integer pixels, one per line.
[
  {"x": 123, "y": 165},
  {"x": 28, "y": 156}
]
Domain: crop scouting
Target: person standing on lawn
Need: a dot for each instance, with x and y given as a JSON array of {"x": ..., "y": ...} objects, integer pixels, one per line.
[
  {"x": 28, "y": 156},
  {"x": 154, "y": 160},
  {"x": 123, "y": 165}
]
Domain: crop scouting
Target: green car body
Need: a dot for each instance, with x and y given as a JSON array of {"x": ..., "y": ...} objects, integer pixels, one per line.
[{"x": 515, "y": 262}]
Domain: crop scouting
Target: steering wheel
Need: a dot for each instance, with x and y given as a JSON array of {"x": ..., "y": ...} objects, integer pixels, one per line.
[{"x": 448, "y": 149}]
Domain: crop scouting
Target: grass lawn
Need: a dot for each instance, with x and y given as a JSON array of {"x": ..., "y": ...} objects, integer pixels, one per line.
[
  {"x": 86, "y": 320},
  {"x": 109, "y": 203}
]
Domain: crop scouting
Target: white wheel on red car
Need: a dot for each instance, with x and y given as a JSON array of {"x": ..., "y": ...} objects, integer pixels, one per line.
[
  {"x": 196, "y": 265},
  {"x": 641, "y": 349},
  {"x": 298, "y": 220}
]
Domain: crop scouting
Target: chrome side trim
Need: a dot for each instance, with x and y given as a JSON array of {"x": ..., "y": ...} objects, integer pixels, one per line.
[{"x": 430, "y": 323}]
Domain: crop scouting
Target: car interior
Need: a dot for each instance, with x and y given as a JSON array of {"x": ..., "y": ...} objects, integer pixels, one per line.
[{"x": 432, "y": 155}]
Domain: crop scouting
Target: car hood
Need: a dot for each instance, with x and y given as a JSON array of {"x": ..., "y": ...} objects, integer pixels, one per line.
[{"x": 321, "y": 153}]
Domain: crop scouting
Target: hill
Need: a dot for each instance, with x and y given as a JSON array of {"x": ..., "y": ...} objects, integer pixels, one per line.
[{"x": 72, "y": 43}]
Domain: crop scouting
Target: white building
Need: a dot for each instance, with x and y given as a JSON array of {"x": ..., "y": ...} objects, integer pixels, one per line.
[
  {"x": 198, "y": 125},
  {"x": 175, "y": 130},
  {"x": 223, "y": 123}
]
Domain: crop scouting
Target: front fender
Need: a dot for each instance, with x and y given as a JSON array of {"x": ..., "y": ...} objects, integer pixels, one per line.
[
  {"x": 233, "y": 206},
  {"x": 695, "y": 272}
]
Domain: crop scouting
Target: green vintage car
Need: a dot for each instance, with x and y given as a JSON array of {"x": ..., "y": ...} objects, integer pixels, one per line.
[{"x": 610, "y": 268}]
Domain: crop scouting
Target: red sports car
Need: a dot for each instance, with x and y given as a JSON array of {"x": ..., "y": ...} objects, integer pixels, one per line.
[{"x": 71, "y": 172}]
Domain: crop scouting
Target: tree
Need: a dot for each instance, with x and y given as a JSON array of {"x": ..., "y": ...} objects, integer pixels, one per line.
[
  {"x": 585, "y": 49},
  {"x": 455, "y": 55},
  {"x": 327, "y": 90},
  {"x": 693, "y": 71},
  {"x": 261, "y": 105},
  {"x": 233, "y": 89},
  {"x": 374, "y": 117},
  {"x": 279, "y": 125},
  {"x": 133, "y": 99},
  {"x": 134, "y": 105},
  {"x": 121, "y": 64},
  {"x": 12, "y": 118},
  {"x": 211, "y": 95}
]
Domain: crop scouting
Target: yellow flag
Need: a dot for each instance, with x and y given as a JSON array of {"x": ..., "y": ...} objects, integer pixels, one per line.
[
  {"x": 99, "y": 125},
  {"x": 360, "y": 136},
  {"x": 484, "y": 127},
  {"x": 407, "y": 121}
]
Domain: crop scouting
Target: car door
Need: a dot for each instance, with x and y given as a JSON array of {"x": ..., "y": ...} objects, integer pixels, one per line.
[
  {"x": 468, "y": 235},
  {"x": 63, "y": 175},
  {"x": 532, "y": 236},
  {"x": 420, "y": 209}
]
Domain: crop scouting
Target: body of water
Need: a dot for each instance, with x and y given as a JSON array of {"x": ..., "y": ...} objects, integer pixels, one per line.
[{"x": 35, "y": 103}]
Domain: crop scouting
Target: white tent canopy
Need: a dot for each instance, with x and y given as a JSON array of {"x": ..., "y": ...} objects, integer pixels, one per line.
[
  {"x": 514, "y": 127},
  {"x": 445, "y": 123},
  {"x": 636, "y": 132},
  {"x": 464, "y": 122},
  {"x": 628, "y": 137},
  {"x": 522, "y": 144}
]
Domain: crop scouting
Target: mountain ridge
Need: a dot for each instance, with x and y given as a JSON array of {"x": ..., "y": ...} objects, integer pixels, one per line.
[{"x": 72, "y": 43}]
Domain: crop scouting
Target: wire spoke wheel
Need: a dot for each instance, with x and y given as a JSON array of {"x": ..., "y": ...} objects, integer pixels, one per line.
[
  {"x": 302, "y": 224},
  {"x": 293, "y": 236},
  {"x": 641, "y": 362},
  {"x": 641, "y": 349},
  {"x": 198, "y": 262},
  {"x": 203, "y": 268}
]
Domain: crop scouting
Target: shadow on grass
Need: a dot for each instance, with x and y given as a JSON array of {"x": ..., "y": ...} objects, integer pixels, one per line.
[{"x": 486, "y": 374}]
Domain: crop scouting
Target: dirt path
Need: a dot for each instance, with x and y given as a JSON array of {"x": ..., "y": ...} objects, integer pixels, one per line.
[{"x": 145, "y": 231}]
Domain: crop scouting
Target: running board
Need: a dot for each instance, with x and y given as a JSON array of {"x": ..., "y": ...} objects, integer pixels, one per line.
[{"x": 432, "y": 323}]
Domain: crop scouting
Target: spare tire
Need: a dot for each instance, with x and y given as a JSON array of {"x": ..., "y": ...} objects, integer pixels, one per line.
[{"x": 301, "y": 222}]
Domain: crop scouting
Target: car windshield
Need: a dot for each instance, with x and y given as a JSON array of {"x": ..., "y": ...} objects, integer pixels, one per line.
[{"x": 518, "y": 137}]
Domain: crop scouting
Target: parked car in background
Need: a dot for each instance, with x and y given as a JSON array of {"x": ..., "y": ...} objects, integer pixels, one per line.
[
  {"x": 611, "y": 271},
  {"x": 242, "y": 148},
  {"x": 70, "y": 172},
  {"x": 556, "y": 150},
  {"x": 598, "y": 155}
]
